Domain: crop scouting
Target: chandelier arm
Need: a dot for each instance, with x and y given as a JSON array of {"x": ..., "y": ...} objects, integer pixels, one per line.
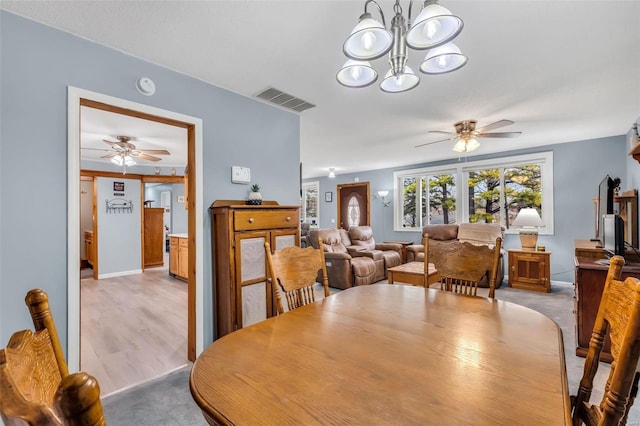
[{"x": 366, "y": 4}]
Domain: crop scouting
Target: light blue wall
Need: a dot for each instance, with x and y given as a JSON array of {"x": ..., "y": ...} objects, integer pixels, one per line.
[
  {"x": 179, "y": 219},
  {"x": 578, "y": 169},
  {"x": 119, "y": 242},
  {"x": 37, "y": 63}
]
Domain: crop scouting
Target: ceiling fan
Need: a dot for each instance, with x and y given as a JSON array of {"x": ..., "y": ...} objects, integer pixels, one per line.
[
  {"x": 466, "y": 133},
  {"x": 124, "y": 148}
]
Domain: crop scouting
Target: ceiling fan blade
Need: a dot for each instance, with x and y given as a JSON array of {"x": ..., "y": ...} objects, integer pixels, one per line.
[
  {"x": 115, "y": 145},
  {"x": 495, "y": 125},
  {"x": 499, "y": 135},
  {"x": 155, "y": 151},
  {"x": 441, "y": 140},
  {"x": 95, "y": 149},
  {"x": 113, "y": 154},
  {"x": 442, "y": 132},
  {"x": 147, "y": 157}
]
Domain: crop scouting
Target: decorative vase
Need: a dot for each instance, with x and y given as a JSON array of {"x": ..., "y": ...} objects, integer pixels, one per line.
[{"x": 255, "y": 198}]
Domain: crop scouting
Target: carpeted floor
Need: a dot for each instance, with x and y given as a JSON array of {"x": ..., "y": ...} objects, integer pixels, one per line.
[{"x": 167, "y": 401}]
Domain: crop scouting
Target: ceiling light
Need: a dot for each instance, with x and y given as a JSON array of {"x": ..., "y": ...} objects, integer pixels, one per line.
[
  {"x": 332, "y": 173},
  {"x": 434, "y": 26},
  {"x": 443, "y": 59},
  {"x": 356, "y": 74},
  {"x": 466, "y": 145}
]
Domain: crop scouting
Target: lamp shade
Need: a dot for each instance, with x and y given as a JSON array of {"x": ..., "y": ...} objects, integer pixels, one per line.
[
  {"x": 400, "y": 82},
  {"x": 368, "y": 40},
  {"x": 528, "y": 217},
  {"x": 435, "y": 25},
  {"x": 332, "y": 172},
  {"x": 383, "y": 194},
  {"x": 356, "y": 74},
  {"x": 443, "y": 59}
]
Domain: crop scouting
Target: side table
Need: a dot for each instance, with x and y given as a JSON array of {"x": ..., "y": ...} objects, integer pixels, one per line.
[{"x": 529, "y": 270}]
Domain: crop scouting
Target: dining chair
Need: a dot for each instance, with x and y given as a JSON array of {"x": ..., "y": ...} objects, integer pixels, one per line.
[
  {"x": 619, "y": 314},
  {"x": 294, "y": 270},
  {"x": 35, "y": 385},
  {"x": 462, "y": 265}
]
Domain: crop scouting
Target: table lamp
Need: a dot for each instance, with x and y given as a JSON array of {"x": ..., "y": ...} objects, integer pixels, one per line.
[{"x": 528, "y": 220}]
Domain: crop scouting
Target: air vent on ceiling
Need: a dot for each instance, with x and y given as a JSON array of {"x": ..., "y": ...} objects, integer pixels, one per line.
[{"x": 285, "y": 100}]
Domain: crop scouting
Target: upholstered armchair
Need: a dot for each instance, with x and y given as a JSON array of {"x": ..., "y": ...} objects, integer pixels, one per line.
[
  {"x": 305, "y": 228},
  {"x": 344, "y": 271},
  {"x": 365, "y": 245},
  {"x": 474, "y": 233}
]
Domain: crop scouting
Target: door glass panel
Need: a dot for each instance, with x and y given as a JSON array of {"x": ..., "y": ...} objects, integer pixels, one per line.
[{"x": 354, "y": 212}]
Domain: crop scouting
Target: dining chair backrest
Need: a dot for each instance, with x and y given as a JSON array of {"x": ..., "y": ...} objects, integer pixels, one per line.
[
  {"x": 35, "y": 385},
  {"x": 462, "y": 265},
  {"x": 293, "y": 270},
  {"x": 619, "y": 314}
]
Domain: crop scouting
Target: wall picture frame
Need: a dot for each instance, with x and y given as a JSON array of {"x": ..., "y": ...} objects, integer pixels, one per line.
[{"x": 328, "y": 196}]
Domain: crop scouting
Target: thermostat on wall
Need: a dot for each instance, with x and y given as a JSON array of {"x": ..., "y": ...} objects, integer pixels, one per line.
[{"x": 240, "y": 174}]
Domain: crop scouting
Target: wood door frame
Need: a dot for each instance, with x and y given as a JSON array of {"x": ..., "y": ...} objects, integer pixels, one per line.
[
  {"x": 77, "y": 97},
  {"x": 342, "y": 186}
]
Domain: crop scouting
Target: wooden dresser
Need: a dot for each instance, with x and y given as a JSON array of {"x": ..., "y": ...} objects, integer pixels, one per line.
[
  {"x": 590, "y": 274},
  {"x": 153, "y": 237},
  {"x": 238, "y": 233}
]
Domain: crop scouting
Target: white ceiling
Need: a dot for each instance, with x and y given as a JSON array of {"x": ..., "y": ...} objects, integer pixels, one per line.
[{"x": 562, "y": 70}]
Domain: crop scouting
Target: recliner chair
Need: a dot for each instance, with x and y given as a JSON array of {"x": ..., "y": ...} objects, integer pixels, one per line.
[
  {"x": 343, "y": 269},
  {"x": 362, "y": 237}
]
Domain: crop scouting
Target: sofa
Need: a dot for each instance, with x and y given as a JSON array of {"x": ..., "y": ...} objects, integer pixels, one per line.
[
  {"x": 343, "y": 269},
  {"x": 362, "y": 238},
  {"x": 475, "y": 233}
]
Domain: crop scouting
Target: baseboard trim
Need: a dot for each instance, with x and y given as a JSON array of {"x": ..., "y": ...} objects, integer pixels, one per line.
[{"x": 119, "y": 274}]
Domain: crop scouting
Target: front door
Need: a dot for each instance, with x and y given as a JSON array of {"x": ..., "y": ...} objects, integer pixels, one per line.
[{"x": 353, "y": 204}]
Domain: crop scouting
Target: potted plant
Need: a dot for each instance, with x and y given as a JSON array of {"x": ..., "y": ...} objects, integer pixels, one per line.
[{"x": 255, "y": 198}]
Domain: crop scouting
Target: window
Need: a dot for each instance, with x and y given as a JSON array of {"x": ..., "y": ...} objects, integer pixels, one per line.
[
  {"x": 309, "y": 211},
  {"x": 490, "y": 191}
]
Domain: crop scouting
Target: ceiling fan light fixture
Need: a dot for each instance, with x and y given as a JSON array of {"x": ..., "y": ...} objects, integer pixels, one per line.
[
  {"x": 368, "y": 40},
  {"x": 117, "y": 160},
  {"x": 472, "y": 144},
  {"x": 435, "y": 25},
  {"x": 129, "y": 161},
  {"x": 400, "y": 82},
  {"x": 467, "y": 145},
  {"x": 443, "y": 59},
  {"x": 356, "y": 74}
]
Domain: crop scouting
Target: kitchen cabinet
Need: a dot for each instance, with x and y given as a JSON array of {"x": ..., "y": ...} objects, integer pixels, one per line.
[
  {"x": 178, "y": 256},
  {"x": 242, "y": 294}
]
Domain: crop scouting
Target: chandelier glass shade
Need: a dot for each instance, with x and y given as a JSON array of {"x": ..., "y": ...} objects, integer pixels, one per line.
[
  {"x": 433, "y": 29},
  {"x": 123, "y": 160},
  {"x": 466, "y": 145},
  {"x": 357, "y": 74}
]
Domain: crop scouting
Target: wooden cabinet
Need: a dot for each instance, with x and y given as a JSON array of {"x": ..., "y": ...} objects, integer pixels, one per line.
[
  {"x": 88, "y": 247},
  {"x": 178, "y": 256},
  {"x": 242, "y": 294},
  {"x": 590, "y": 276},
  {"x": 153, "y": 237},
  {"x": 529, "y": 270}
]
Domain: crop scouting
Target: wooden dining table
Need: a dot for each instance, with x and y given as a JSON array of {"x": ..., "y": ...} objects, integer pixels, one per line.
[{"x": 388, "y": 354}]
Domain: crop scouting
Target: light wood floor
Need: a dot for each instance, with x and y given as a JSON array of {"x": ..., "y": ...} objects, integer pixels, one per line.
[{"x": 133, "y": 328}]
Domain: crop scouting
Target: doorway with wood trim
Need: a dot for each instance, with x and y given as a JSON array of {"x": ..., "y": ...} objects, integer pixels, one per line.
[
  {"x": 79, "y": 98},
  {"x": 353, "y": 205}
]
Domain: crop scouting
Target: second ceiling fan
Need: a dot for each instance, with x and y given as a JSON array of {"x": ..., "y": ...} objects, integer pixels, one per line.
[{"x": 466, "y": 134}]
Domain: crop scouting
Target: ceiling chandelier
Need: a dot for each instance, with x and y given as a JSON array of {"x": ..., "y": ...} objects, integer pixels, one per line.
[
  {"x": 123, "y": 159},
  {"x": 433, "y": 29}
]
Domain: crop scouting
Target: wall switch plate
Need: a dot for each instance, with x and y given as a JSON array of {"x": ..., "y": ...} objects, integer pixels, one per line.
[{"x": 240, "y": 174}]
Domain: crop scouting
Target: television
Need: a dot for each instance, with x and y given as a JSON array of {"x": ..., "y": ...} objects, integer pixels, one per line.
[
  {"x": 605, "y": 203},
  {"x": 613, "y": 234}
]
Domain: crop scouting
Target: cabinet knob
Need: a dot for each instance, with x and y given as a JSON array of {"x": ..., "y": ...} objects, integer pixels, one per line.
[
  {"x": 250, "y": 220},
  {"x": 288, "y": 218}
]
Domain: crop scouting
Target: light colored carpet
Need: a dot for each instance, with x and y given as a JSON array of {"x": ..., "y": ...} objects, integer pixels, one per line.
[{"x": 167, "y": 401}]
